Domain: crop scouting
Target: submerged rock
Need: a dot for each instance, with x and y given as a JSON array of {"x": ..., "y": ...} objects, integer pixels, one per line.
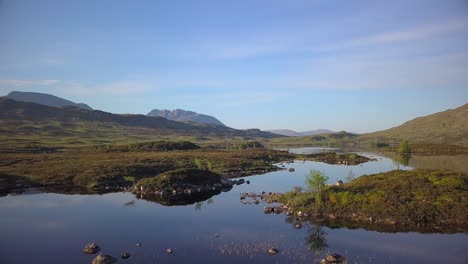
[
  {"x": 91, "y": 248},
  {"x": 291, "y": 169},
  {"x": 273, "y": 251},
  {"x": 333, "y": 258},
  {"x": 104, "y": 259}
]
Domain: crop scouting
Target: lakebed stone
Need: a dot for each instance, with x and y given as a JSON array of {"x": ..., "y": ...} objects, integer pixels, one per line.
[
  {"x": 273, "y": 251},
  {"x": 104, "y": 259},
  {"x": 91, "y": 248},
  {"x": 333, "y": 258}
]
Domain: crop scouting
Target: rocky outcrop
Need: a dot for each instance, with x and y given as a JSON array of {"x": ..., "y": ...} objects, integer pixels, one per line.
[
  {"x": 104, "y": 259},
  {"x": 183, "y": 186},
  {"x": 91, "y": 248},
  {"x": 333, "y": 258}
]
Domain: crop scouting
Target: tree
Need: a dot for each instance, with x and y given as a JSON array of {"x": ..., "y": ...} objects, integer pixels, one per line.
[
  {"x": 404, "y": 148},
  {"x": 316, "y": 181}
]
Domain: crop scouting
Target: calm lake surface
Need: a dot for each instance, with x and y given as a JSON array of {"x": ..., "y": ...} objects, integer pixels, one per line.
[{"x": 37, "y": 227}]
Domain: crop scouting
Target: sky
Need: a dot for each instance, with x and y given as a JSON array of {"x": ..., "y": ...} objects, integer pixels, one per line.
[{"x": 358, "y": 66}]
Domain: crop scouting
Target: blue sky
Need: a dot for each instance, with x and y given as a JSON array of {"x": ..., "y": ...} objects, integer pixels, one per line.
[{"x": 343, "y": 65}]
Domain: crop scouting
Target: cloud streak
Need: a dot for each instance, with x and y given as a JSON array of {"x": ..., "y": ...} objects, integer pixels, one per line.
[
  {"x": 24, "y": 83},
  {"x": 304, "y": 41}
]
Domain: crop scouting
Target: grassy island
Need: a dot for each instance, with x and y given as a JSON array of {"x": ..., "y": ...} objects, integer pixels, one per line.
[{"x": 417, "y": 197}]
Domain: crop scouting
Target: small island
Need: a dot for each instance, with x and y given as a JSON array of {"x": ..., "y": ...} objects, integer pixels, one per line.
[
  {"x": 182, "y": 186},
  {"x": 419, "y": 200}
]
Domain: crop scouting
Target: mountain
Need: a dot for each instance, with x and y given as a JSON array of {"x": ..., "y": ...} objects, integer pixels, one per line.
[
  {"x": 292, "y": 133},
  {"x": 44, "y": 99},
  {"x": 286, "y": 132},
  {"x": 447, "y": 127},
  {"x": 25, "y": 118},
  {"x": 316, "y": 132},
  {"x": 185, "y": 116}
]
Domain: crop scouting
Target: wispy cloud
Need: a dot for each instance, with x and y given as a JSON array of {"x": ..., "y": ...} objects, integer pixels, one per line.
[
  {"x": 24, "y": 83},
  {"x": 304, "y": 41},
  {"x": 415, "y": 33}
]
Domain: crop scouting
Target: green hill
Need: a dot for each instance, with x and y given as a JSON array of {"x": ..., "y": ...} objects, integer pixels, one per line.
[{"x": 447, "y": 127}]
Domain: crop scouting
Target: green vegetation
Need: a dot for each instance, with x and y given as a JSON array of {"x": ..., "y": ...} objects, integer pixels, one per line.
[
  {"x": 148, "y": 146},
  {"x": 418, "y": 197}
]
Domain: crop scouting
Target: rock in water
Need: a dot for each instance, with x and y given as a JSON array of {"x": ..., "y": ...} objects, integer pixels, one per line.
[
  {"x": 125, "y": 255},
  {"x": 138, "y": 244},
  {"x": 333, "y": 258},
  {"x": 273, "y": 251},
  {"x": 104, "y": 259},
  {"x": 91, "y": 248},
  {"x": 291, "y": 169},
  {"x": 169, "y": 251}
]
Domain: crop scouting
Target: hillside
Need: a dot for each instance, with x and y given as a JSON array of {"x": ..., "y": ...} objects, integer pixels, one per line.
[
  {"x": 23, "y": 123},
  {"x": 447, "y": 127},
  {"x": 185, "y": 116},
  {"x": 44, "y": 99},
  {"x": 326, "y": 140}
]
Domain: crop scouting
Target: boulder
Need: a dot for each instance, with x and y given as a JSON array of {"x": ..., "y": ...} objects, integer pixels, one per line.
[
  {"x": 339, "y": 183},
  {"x": 273, "y": 251},
  {"x": 91, "y": 248},
  {"x": 169, "y": 251},
  {"x": 104, "y": 259},
  {"x": 125, "y": 255},
  {"x": 333, "y": 258}
]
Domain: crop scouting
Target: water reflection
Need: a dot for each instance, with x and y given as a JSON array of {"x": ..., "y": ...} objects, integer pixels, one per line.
[
  {"x": 316, "y": 239},
  {"x": 402, "y": 159},
  {"x": 180, "y": 199}
]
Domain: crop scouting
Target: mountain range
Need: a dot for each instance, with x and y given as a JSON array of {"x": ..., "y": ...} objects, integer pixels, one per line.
[
  {"x": 70, "y": 118},
  {"x": 292, "y": 133},
  {"x": 37, "y": 113},
  {"x": 185, "y": 116}
]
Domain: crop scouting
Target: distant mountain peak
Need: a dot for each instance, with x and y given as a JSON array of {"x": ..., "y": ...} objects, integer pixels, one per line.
[
  {"x": 185, "y": 116},
  {"x": 292, "y": 133},
  {"x": 44, "y": 99}
]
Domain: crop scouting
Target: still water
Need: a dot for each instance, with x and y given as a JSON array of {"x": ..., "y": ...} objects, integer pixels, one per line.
[{"x": 37, "y": 227}]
